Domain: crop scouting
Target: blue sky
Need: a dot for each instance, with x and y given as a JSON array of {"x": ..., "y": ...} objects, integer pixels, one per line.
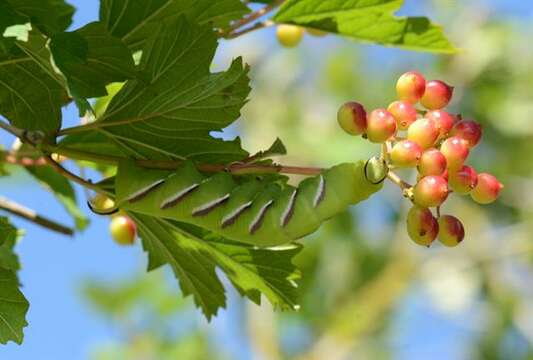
[{"x": 61, "y": 325}]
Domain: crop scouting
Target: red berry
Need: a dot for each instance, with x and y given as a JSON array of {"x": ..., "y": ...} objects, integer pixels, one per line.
[
  {"x": 463, "y": 181},
  {"x": 456, "y": 151},
  {"x": 430, "y": 191},
  {"x": 123, "y": 230},
  {"x": 422, "y": 227},
  {"x": 451, "y": 230},
  {"x": 404, "y": 113},
  {"x": 381, "y": 126},
  {"x": 487, "y": 189},
  {"x": 424, "y": 132},
  {"x": 437, "y": 95},
  {"x": 468, "y": 130},
  {"x": 443, "y": 120},
  {"x": 406, "y": 154},
  {"x": 432, "y": 162},
  {"x": 352, "y": 118},
  {"x": 445, "y": 175},
  {"x": 411, "y": 86}
]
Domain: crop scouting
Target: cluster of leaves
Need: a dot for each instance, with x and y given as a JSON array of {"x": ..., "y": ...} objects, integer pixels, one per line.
[{"x": 167, "y": 107}]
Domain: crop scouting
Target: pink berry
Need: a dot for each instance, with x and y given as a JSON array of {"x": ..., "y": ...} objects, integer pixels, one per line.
[
  {"x": 381, "y": 126},
  {"x": 424, "y": 132},
  {"x": 451, "y": 230},
  {"x": 437, "y": 95},
  {"x": 411, "y": 86},
  {"x": 422, "y": 227},
  {"x": 487, "y": 189},
  {"x": 456, "y": 151},
  {"x": 404, "y": 113},
  {"x": 352, "y": 118},
  {"x": 468, "y": 130},
  {"x": 123, "y": 230},
  {"x": 443, "y": 120},
  {"x": 430, "y": 191},
  {"x": 432, "y": 162},
  {"x": 463, "y": 181},
  {"x": 406, "y": 154}
]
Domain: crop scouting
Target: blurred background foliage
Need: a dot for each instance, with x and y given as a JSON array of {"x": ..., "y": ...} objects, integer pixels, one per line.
[{"x": 368, "y": 292}]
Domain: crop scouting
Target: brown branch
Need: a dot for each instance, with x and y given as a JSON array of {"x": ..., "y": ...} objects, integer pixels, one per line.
[
  {"x": 30, "y": 215},
  {"x": 227, "y": 33},
  {"x": 73, "y": 177},
  {"x": 17, "y": 158},
  {"x": 258, "y": 25}
]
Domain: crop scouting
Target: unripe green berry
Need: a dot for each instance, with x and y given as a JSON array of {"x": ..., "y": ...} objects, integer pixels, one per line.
[
  {"x": 468, "y": 130},
  {"x": 422, "y": 227},
  {"x": 451, "y": 230},
  {"x": 463, "y": 181},
  {"x": 102, "y": 203},
  {"x": 430, "y": 191},
  {"x": 406, "y": 153},
  {"x": 444, "y": 121},
  {"x": 352, "y": 118},
  {"x": 123, "y": 230},
  {"x": 289, "y": 35},
  {"x": 437, "y": 95},
  {"x": 487, "y": 189},
  {"x": 456, "y": 152},
  {"x": 411, "y": 86},
  {"x": 424, "y": 132},
  {"x": 380, "y": 126},
  {"x": 432, "y": 162},
  {"x": 404, "y": 113}
]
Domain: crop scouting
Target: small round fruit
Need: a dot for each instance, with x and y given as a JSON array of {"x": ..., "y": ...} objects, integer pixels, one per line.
[
  {"x": 451, "y": 230},
  {"x": 123, "y": 230},
  {"x": 463, "y": 181},
  {"x": 444, "y": 121},
  {"x": 456, "y": 151},
  {"x": 424, "y": 132},
  {"x": 404, "y": 113},
  {"x": 487, "y": 189},
  {"x": 289, "y": 35},
  {"x": 316, "y": 32},
  {"x": 352, "y": 118},
  {"x": 430, "y": 191},
  {"x": 406, "y": 153},
  {"x": 468, "y": 130},
  {"x": 102, "y": 203},
  {"x": 380, "y": 126},
  {"x": 432, "y": 162},
  {"x": 411, "y": 86},
  {"x": 437, "y": 95},
  {"x": 422, "y": 227}
]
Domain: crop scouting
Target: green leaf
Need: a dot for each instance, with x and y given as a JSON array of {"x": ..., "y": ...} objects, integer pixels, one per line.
[
  {"x": 368, "y": 21},
  {"x": 13, "y": 308},
  {"x": 49, "y": 16},
  {"x": 135, "y": 21},
  {"x": 8, "y": 239},
  {"x": 277, "y": 148},
  {"x": 91, "y": 58},
  {"x": 252, "y": 271},
  {"x": 7, "y": 231},
  {"x": 170, "y": 110},
  {"x": 31, "y": 92}
]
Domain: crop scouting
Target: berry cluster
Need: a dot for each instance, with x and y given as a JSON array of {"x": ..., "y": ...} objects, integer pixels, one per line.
[
  {"x": 291, "y": 35},
  {"x": 122, "y": 228},
  {"x": 434, "y": 142}
]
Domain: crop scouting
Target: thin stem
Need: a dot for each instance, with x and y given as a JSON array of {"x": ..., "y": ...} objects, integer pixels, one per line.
[
  {"x": 392, "y": 176},
  {"x": 258, "y": 25},
  {"x": 73, "y": 177},
  {"x": 30, "y": 215},
  {"x": 12, "y": 129},
  {"x": 16, "y": 158},
  {"x": 249, "y": 19}
]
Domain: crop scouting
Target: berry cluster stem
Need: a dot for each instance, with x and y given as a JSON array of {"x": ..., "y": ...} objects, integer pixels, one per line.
[{"x": 233, "y": 31}]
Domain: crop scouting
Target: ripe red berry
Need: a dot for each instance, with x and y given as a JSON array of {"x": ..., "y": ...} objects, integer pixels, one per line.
[
  {"x": 289, "y": 35},
  {"x": 430, "y": 191},
  {"x": 487, "y": 189},
  {"x": 468, "y": 130},
  {"x": 443, "y": 120},
  {"x": 424, "y": 132},
  {"x": 456, "y": 151},
  {"x": 123, "y": 230},
  {"x": 437, "y": 95},
  {"x": 352, "y": 118},
  {"x": 411, "y": 86},
  {"x": 432, "y": 162},
  {"x": 451, "y": 230},
  {"x": 406, "y": 153},
  {"x": 404, "y": 113},
  {"x": 422, "y": 227},
  {"x": 381, "y": 126},
  {"x": 463, "y": 181}
]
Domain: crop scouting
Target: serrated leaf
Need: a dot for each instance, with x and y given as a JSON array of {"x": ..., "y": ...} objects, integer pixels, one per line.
[
  {"x": 91, "y": 58},
  {"x": 277, "y": 148},
  {"x": 193, "y": 259},
  {"x": 135, "y": 21},
  {"x": 49, "y": 16},
  {"x": 7, "y": 231},
  {"x": 13, "y": 308},
  {"x": 8, "y": 238},
  {"x": 368, "y": 21}
]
